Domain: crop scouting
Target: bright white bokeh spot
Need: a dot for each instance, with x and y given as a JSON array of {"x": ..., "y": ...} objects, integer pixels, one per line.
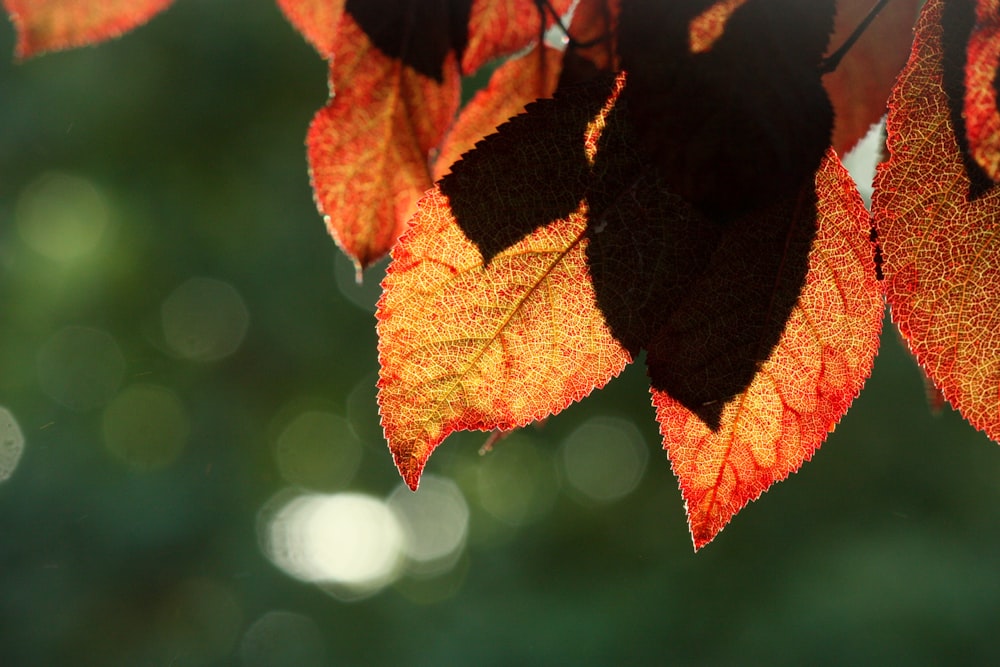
[
  {"x": 283, "y": 639},
  {"x": 516, "y": 482},
  {"x": 204, "y": 319},
  {"x": 435, "y": 520},
  {"x": 61, "y": 216},
  {"x": 146, "y": 427},
  {"x": 11, "y": 444},
  {"x": 80, "y": 368},
  {"x": 318, "y": 450},
  {"x": 349, "y": 543},
  {"x": 603, "y": 460}
]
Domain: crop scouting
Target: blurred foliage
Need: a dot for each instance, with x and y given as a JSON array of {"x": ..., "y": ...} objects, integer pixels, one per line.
[{"x": 883, "y": 550}]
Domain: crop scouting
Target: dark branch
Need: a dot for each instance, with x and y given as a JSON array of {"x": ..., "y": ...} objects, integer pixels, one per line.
[{"x": 831, "y": 62}]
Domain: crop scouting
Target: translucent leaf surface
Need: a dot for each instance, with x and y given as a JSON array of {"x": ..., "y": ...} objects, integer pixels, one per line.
[
  {"x": 317, "y": 20},
  {"x": 803, "y": 388},
  {"x": 494, "y": 334},
  {"x": 981, "y": 116},
  {"x": 369, "y": 147},
  {"x": 936, "y": 214},
  {"x": 51, "y": 25}
]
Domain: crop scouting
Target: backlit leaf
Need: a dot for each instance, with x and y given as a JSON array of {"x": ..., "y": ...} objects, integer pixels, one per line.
[
  {"x": 51, "y": 25},
  {"x": 805, "y": 385},
  {"x": 502, "y": 27},
  {"x": 594, "y": 30},
  {"x": 499, "y": 333},
  {"x": 982, "y": 121},
  {"x": 861, "y": 83},
  {"x": 512, "y": 86},
  {"x": 317, "y": 20},
  {"x": 937, "y": 222},
  {"x": 369, "y": 147}
]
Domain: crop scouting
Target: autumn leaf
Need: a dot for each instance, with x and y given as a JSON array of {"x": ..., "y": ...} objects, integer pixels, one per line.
[
  {"x": 317, "y": 20},
  {"x": 502, "y": 27},
  {"x": 861, "y": 83},
  {"x": 936, "y": 216},
  {"x": 369, "y": 146},
  {"x": 778, "y": 309},
  {"x": 593, "y": 42},
  {"x": 496, "y": 334},
  {"x": 981, "y": 116},
  {"x": 738, "y": 122},
  {"x": 52, "y": 25},
  {"x": 394, "y": 78},
  {"x": 805, "y": 385},
  {"x": 512, "y": 86}
]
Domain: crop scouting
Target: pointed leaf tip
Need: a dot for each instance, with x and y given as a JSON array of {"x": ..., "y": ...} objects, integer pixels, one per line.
[
  {"x": 368, "y": 147},
  {"x": 805, "y": 386}
]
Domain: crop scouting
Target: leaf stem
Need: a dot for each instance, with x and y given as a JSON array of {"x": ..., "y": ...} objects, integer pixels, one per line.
[
  {"x": 543, "y": 6},
  {"x": 831, "y": 62}
]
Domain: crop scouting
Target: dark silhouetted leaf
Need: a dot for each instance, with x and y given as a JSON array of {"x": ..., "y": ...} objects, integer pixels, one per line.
[{"x": 734, "y": 125}]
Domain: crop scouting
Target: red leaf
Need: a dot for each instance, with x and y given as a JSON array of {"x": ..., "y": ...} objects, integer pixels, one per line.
[
  {"x": 512, "y": 86},
  {"x": 805, "y": 385},
  {"x": 317, "y": 20},
  {"x": 861, "y": 84},
  {"x": 936, "y": 216},
  {"x": 475, "y": 339},
  {"x": 51, "y": 25},
  {"x": 502, "y": 27},
  {"x": 368, "y": 148},
  {"x": 981, "y": 116},
  {"x": 594, "y": 50}
]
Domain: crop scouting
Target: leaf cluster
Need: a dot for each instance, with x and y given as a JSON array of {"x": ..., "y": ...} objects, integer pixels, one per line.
[{"x": 657, "y": 178}]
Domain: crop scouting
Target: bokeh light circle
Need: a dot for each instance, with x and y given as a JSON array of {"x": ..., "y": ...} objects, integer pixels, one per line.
[
  {"x": 435, "y": 520},
  {"x": 11, "y": 444},
  {"x": 204, "y": 319},
  {"x": 61, "y": 216},
  {"x": 350, "y": 543},
  {"x": 603, "y": 459},
  {"x": 516, "y": 481},
  {"x": 283, "y": 639},
  {"x": 145, "y": 426},
  {"x": 318, "y": 450},
  {"x": 80, "y": 368}
]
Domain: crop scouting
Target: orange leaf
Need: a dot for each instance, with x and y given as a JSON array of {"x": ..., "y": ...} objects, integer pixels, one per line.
[
  {"x": 368, "y": 148},
  {"x": 51, "y": 25},
  {"x": 936, "y": 215},
  {"x": 981, "y": 116},
  {"x": 707, "y": 27},
  {"x": 502, "y": 27},
  {"x": 317, "y": 20},
  {"x": 861, "y": 84},
  {"x": 512, "y": 86},
  {"x": 807, "y": 382},
  {"x": 470, "y": 338}
]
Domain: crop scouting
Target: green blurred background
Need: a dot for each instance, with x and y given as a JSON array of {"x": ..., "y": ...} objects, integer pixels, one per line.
[{"x": 202, "y": 479}]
